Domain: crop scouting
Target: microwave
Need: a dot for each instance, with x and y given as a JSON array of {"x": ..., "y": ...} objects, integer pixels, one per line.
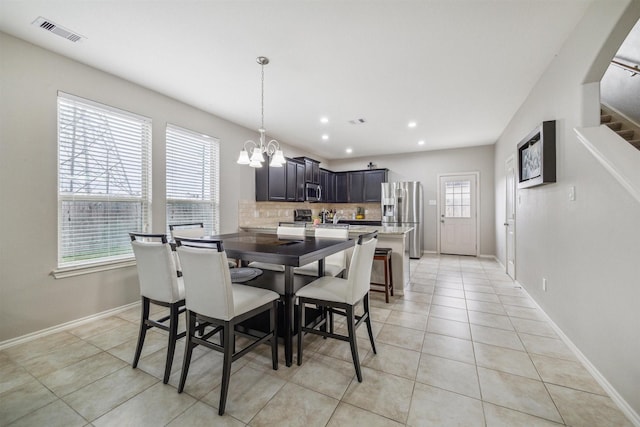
[{"x": 312, "y": 192}]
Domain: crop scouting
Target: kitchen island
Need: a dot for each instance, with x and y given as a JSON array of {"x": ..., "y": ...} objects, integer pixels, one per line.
[{"x": 392, "y": 237}]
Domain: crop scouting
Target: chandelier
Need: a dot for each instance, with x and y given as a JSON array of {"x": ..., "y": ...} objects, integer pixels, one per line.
[{"x": 256, "y": 149}]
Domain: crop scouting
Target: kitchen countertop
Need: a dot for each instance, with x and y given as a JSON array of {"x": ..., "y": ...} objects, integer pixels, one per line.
[{"x": 354, "y": 230}]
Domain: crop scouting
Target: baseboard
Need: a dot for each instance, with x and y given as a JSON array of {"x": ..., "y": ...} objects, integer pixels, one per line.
[
  {"x": 488, "y": 256},
  {"x": 611, "y": 391},
  {"x": 59, "y": 328}
]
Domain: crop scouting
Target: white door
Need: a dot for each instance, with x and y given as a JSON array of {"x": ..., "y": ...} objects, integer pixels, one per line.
[
  {"x": 510, "y": 217},
  {"x": 458, "y": 217}
]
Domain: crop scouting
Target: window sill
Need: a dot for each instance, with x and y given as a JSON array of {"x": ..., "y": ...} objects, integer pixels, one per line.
[{"x": 79, "y": 270}]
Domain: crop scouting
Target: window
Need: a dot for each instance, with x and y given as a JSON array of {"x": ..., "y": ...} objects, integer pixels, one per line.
[
  {"x": 103, "y": 181},
  {"x": 458, "y": 199},
  {"x": 192, "y": 179}
]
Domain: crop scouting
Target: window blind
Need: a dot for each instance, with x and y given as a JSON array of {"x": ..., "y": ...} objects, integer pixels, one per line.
[
  {"x": 104, "y": 187},
  {"x": 192, "y": 179}
]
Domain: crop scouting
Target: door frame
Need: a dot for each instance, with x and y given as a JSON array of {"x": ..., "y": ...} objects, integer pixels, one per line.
[
  {"x": 511, "y": 158},
  {"x": 439, "y": 203}
]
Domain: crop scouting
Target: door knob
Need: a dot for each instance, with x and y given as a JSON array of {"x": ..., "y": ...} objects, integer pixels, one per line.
[
  {"x": 506, "y": 224},
  {"x": 442, "y": 221}
]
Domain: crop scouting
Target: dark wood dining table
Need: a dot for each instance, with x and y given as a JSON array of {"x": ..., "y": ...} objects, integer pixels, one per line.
[{"x": 290, "y": 251}]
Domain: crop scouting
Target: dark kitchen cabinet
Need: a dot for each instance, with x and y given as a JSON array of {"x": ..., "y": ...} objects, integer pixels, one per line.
[
  {"x": 262, "y": 184},
  {"x": 311, "y": 169},
  {"x": 342, "y": 188},
  {"x": 300, "y": 182},
  {"x": 372, "y": 188},
  {"x": 356, "y": 187},
  {"x": 328, "y": 183},
  {"x": 292, "y": 175},
  {"x": 277, "y": 182}
]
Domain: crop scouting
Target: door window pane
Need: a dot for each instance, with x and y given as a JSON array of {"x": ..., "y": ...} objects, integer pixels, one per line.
[{"x": 458, "y": 199}]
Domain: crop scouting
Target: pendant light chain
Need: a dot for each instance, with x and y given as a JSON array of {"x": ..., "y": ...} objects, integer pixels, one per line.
[
  {"x": 262, "y": 98},
  {"x": 271, "y": 148}
]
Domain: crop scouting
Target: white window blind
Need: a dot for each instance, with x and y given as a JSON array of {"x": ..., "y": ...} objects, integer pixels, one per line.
[
  {"x": 192, "y": 179},
  {"x": 104, "y": 187}
]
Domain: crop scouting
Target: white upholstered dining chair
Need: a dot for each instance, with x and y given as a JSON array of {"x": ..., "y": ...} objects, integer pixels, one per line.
[
  {"x": 159, "y": 285},
  {"x": 211, "y": 299},
  {"x": 284, "y": 231},
  {"x": 334, "y": 265},
  {"x": 340, "y": 296}
]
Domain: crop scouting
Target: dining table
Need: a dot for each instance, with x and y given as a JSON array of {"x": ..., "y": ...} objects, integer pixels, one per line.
[{"x": 289, "y": 251}]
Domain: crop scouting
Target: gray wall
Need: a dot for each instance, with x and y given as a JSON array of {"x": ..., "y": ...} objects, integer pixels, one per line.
[
  {"x": 425, "y": 167},
  {"x": 588, "y": 248},
  {"x": 31, "y": 299}
]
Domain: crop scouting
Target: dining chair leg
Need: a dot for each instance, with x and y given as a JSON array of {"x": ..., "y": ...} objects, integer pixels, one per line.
[
  {"x": 301, "y": 321},
  {"x": 226, "y": 364},
  {"x": 273, "y": 326},
  {"x": 143, "y": 330},
  {"x": 173, "y": 334},
  {"x": 188, "y": 349},
  {"x": 352, "y": 341},
  {"x": 365, "y": 302},
  {"x": 386, "y": 280}
]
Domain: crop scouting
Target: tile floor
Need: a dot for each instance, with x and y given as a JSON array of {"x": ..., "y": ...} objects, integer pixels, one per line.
[{"x": 463, "y": 347}]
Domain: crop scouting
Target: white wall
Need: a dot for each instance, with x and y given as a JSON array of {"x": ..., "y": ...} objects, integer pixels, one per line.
[
  {"x": 425, "y": 167},
  {"x": 31, "y": 299},
  {"x": 587, "y": 249}
]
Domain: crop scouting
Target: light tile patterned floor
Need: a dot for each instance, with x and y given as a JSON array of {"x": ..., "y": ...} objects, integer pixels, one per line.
[{"x": 464, "y": 346}]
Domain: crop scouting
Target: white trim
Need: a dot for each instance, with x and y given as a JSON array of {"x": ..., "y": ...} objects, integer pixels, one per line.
[
  {"x": 439, "y": 206},
  {"x": 622, "y": 404},
  {"x": 64, "y": 326},
  {"x": 618, "y": 157},
  {"x": 79, "y": 270}
]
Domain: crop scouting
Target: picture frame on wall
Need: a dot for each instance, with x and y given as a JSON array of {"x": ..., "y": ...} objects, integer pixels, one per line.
[{"x": 537, "y": 156}]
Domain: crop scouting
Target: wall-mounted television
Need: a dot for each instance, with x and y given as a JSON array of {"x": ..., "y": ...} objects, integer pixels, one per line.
[{"x": 537, "y": 156}]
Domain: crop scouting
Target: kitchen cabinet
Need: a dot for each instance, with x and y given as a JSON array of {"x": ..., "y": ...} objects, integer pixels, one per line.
[
  {"x": 372, "y": 185},
  {"x": 288, "y": 182},
  {"x": 300, "y": 182},
  {"x": 356, "y": 186},
  {"x": 311, "y": 169},
  {"x": 292, "y": 183},
  {"x": 342, "y": 188},
  {"x": 328, "y": 183}
]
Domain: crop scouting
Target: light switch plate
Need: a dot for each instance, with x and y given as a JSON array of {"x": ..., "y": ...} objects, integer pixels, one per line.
[{"x": 432, "y": 202}]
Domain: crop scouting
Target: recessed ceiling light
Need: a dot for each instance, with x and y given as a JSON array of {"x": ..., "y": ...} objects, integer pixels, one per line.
[
  {"x": 421, "y": 142},
  {"x": 324, "y": 120},
  {"x": 325, "y": 137},
  {"x": 412, "y": 124},
  {"x": 349, "y": 150}
]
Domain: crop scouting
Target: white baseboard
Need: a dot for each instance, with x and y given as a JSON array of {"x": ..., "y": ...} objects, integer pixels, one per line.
[
  {"x": 611, "y": 391},
  {"x": 59, "y": 328}
]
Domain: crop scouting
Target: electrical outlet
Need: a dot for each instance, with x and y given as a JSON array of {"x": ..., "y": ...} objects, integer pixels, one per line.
[
  {"x": 544, "y": 284},
  {"x": 572, "y": 193}
]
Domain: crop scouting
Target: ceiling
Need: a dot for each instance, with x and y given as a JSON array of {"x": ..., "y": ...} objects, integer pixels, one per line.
[{"x": 458, "y": 68}]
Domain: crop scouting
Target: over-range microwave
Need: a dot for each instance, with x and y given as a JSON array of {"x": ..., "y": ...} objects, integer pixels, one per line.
[{"x": 312, "y": 192}]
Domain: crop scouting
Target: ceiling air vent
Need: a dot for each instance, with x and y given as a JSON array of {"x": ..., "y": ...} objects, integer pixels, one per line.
[
  {"x": 357, "y": 121},
  {"x": 56, "y": 29}
]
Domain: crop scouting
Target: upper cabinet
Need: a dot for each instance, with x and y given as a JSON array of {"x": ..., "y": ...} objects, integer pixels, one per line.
[
  {"x": 364, "y": 186},
  {"x": 311, "y": 169},
  {"x": 372, "y": 184},
  {"x": 288, "y": 182}
]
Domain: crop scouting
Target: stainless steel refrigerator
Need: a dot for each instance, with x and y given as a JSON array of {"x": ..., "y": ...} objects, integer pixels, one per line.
[{"x": 402, "y": 205}]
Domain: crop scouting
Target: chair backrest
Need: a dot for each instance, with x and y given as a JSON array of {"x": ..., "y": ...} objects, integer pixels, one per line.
[
  {"x": 359, "y": 280},
  {"x": 156, "y": 267},
  {"x": 195, "y": 229},
  {"x": 337, "y": 232},
  {"x": 291, "y": 229},
  {"x": 207, "y": 280}
]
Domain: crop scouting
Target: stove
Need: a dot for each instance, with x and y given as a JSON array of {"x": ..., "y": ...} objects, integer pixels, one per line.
[{"x": 303, "y": 215}]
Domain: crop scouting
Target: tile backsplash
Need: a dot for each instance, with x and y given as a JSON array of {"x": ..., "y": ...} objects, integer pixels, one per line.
[{"x": 252, "y": 213}]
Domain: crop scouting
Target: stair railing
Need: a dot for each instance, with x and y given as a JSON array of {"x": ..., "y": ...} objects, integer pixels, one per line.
[{"x": 632, "y": 68}]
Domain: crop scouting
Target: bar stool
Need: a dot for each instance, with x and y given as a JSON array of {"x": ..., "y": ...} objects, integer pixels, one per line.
[{"x": 384, "y": 254}]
